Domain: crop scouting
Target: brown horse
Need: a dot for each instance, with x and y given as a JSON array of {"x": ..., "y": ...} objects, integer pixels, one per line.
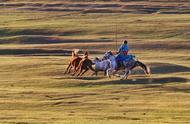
[
  {"x": 85, "y": 64},
  {"x": 74, "y": 62}
]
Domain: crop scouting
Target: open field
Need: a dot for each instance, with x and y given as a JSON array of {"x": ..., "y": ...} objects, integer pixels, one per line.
[
  {"x": 36, "y": 38},
  {"x": 34, "y": 90}
]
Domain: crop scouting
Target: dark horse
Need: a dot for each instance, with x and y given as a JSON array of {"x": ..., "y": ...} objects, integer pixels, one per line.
[
  {"x": 128, "y": 67},
  {"x": 84, "y": 65}
]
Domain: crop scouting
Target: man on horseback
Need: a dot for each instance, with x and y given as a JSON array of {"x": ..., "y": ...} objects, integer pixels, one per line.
[
  {"x": 125, "y": 61},
  {"x": 123, "y": 57},
  {"x": 123, "y": 49}
]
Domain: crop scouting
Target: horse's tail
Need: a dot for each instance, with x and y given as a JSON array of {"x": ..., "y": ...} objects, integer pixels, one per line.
[
  {"x": 148, "y": 70},
  {"x": 90, "y": 65},
  {"x": 144, "y": 67},
  {"x": 91, "y": 68}
]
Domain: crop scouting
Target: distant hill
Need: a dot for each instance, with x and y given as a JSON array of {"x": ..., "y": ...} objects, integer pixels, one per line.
[
  {"x": 94, "y": 21},
  {"x": 102, "y": 6}
]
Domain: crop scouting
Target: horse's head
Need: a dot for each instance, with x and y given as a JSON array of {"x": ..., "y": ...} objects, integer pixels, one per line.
[
  {"x": 96, "y": 59},
  {"x": 75, "y": 52},
  {"x": 85, "y": 55},
  {"x": 108, "y": 54}
]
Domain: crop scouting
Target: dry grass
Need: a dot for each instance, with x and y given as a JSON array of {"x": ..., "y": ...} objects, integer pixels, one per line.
[
  {"x": 34, "y": 90},
  {"x": 36, "y": 36}
]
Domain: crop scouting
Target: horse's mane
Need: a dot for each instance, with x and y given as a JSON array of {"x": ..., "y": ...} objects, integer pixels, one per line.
[
  {"x": 97, "y": 58},
  {"x": 110, "y": 52}
]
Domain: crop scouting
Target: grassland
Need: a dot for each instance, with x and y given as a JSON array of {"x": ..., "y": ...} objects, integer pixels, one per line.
[{"x": 37, "y": 36}]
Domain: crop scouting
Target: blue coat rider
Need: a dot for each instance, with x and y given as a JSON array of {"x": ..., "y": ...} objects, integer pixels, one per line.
[
  {"x": 123, "y": 49},
  {"x": 123, "y": 56}
]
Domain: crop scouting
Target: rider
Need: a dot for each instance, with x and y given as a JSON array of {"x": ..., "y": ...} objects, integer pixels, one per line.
[
  {"x": 123, "y": 53},
  {"x": 124, "y": 48}
]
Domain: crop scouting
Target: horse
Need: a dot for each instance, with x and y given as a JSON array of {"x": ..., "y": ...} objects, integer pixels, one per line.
[
  {"x": 85, "y": 64},
  {"x": 74, "y": 62},
  {"x": 109, "y": 56},
  {"x": 101, "y": 65},
  {"x": 132, "y": 63}
]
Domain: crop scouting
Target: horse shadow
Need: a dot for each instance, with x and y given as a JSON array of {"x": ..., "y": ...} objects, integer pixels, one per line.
[
  {"x": 80, "y": 78},
  {"x": 163, "y": 68},
  {"x": 163, "y": 80},
  {"x": 166, "y": 68}
]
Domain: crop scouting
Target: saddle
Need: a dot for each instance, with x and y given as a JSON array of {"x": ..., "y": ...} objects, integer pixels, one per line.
[{"x": 125, "y": 61}]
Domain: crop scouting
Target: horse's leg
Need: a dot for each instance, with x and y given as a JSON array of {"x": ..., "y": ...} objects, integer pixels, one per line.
[
  {"x": 115, "y": 71},
  {"x": 110, "y": 72},
  {"x": 126, "y": 74},
  {"x": 68, "y": 68},
  {"x": 96, "y": 73},
  {"x": 80, "y": 72},
  {"x": 105, "y": 72},
  {"x": 75, "y": 66},
  {"x": 91, "y": 68},
  {"x": 75, "y": 71},
  {"x": 84, "y": 72}
]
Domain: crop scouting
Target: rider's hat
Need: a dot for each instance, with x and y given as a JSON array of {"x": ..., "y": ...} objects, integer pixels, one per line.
[{"x": 125, "y": 42}]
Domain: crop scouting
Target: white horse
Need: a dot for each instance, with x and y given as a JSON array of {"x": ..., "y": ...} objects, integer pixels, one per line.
[
  {"x": 109, "y": 56},
  {"x": 101, "y": 65},
  {"x": 128, "y": 67}
]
